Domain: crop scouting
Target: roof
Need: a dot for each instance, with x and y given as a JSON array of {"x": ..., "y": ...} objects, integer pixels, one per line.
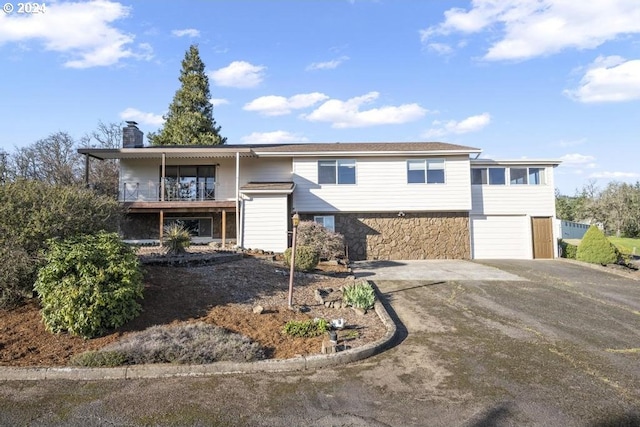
[
  {"x": 516, "y": 162},
  {"x": 268, "y": 187},
  {"x": 362, "y": 148},
  {"x": 282, "y": 150}
]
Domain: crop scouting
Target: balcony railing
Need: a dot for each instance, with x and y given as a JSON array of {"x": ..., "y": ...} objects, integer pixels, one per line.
[{"x": 173, "y": 191}]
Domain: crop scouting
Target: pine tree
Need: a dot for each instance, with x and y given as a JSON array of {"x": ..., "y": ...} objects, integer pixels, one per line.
[
  {"x": 190, "y": 118},
  {"x": 596, "y": 248}
]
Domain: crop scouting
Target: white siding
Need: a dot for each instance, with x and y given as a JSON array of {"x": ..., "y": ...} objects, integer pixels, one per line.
[
  {"x": 501, "y": 237},
  {"x": 265, "y": 222},
  {"x": 381, "y": 185},
  {"x": 533, "y": 200}
]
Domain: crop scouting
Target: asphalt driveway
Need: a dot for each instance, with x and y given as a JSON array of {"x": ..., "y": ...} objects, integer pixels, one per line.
[{"x": 517, "y": 343}]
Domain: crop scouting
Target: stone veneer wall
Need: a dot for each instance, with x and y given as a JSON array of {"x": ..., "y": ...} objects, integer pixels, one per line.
[
  {"x": 145, "y": 226},
  {"x": 417, "y": 235}
]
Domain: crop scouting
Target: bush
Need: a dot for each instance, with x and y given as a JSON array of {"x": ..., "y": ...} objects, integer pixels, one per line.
[
  {"x": 359, "y": 295},
  {"x": 197, "y": 343},
  {"x": 329, "y": 245},
  {"x": 16, "y": 269},
  {"x": 89, "y": 284},
  {"x": 306, "y": 328},
  {"x": 307, "y": 258},
  {"x": 176, "y": 238},
  {"x": 569, "y": 251},
  {"x": 31, "y": 212},
  {"x": 596, "y": 248}
]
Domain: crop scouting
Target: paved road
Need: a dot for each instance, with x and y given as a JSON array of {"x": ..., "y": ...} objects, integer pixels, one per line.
[{"x": 556, "y": 344}]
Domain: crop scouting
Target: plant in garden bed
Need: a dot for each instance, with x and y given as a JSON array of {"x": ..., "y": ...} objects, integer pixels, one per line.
[
  {"x": 195, "y": 343},
  {"x": 328, "y": 244},
  {"x": 596, "y": 248},
  {"x": 89, "y": 284},
  {"x": 176, "y": 238},
  {"x": 359, "y": 295},
  {"x": 307, "y": 258},
  {"x": 306, "y": 328}
]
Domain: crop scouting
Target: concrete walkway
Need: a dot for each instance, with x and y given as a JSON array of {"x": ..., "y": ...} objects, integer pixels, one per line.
[{"x": 439, "y": 270}]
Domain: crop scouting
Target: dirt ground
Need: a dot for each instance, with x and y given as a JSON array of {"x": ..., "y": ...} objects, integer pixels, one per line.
[{"x": 221, "y": 294}]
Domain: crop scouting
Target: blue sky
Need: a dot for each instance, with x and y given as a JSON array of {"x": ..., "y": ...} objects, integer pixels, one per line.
[{"x": 536, "y": 79}]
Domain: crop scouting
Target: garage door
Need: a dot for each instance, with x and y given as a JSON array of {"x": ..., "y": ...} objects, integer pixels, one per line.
[{"x": 500, "y": 237}]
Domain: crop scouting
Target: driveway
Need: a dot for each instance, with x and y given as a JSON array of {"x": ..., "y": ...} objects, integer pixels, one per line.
[{"x": 525, "y": 343}]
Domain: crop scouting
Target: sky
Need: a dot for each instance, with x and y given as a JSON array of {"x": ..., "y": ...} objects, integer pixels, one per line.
[{"x": 538, "y": 79}]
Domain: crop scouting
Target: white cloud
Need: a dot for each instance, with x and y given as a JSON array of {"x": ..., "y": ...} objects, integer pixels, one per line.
[
  {"x": 187, "y": 32},
  {"x": 82, "y": 31},
  {"x": 470, "y": 124},
  {"x": 534, "y": 28},
  {"x": 576, "y": 160},
  {"x": 440, "y": 48},
  {"x": 239, "y": 74},
  {"x": 142, "y": 117},
  {"x": 273, "y": 105},
  {"x": 328, "y": 65},
  {"x": 347, "y": 114},
  {"x": 276, "y": 137},
  {"x": 615, "y": 175},
  {"x": 218, "y": 101},
  {"x": 609, "y": 79}
]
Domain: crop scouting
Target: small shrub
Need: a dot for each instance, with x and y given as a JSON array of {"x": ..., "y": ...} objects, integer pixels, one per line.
[
  {"x": 89, "y": 284},
  {"x": 99, "y": 359},
  {"x": 307, "y": 258},
  {"x": 306, "y": 328},
  {"x": 176, "y": 238},
  {"x": 595, "y": 248},
  {"x": 359, "y": 295},
  {"x": 17, "y": 269},
  {"x": 197, "y": 343},
  {"x": 329, "y": 245},
  {"x": 569, "y": 251}
]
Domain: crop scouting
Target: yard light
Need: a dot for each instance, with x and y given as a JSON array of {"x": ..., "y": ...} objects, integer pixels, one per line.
[{"x": 295, "y": 220}]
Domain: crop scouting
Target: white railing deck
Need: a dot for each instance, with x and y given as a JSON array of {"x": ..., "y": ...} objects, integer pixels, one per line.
[{"x": 173, "y": 191}]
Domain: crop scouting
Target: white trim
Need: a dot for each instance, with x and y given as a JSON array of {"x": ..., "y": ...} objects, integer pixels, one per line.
[{"x": 429, "y": 153}]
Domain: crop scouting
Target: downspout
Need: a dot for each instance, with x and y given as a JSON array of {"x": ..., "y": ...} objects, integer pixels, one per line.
[
  {"x": 238, "y": 231},
  {"x": 86, "y": 170}
]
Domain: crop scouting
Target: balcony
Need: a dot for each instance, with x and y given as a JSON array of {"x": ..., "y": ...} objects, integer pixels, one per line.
[{"x": 185, "y": 195}]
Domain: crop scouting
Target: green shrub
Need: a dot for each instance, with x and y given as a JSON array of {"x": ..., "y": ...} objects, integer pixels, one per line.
[
  {"x": 16, "y": 269},
  {"x": 307, "y": 258},
  {"x": 196, "y": 343},
  {"x": 595, "y": 248},
  {"x": 359, "y": 295},
  {"x": 329, "y": 245},
  {"x": 89, "y": 284},
  {"x": 31, "y": 212},
  {"x": 306, "y": 328},
  {"x": 176, "y": 238},
  {"x": 569, "y": 251}
]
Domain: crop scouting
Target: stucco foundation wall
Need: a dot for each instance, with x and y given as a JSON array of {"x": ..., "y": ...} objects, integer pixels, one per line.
[{"x": 417, "y": 235}]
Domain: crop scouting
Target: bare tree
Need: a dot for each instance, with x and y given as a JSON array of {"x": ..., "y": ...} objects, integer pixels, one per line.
[
  {"x": 53, "y": 160},
  {"x": 103, "y": 175}
]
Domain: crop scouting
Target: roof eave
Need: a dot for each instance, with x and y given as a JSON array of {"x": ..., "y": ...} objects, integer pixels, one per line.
[{"x": 368, "y": 153}]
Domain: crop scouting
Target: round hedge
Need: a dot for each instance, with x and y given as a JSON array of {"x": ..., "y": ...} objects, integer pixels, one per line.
[
  {"x": 595, "y": 248},
  {"x": 307, "y": 258}
]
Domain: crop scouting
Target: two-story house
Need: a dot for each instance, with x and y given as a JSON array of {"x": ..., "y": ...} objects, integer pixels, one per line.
[{"x": 390, "y": 200}]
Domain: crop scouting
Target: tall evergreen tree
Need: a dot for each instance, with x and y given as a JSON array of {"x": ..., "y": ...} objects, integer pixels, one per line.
[{"x": 190, "y": 117}]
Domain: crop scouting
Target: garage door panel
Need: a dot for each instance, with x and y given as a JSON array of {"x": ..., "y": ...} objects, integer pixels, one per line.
[{"x": 500, "y": 237}]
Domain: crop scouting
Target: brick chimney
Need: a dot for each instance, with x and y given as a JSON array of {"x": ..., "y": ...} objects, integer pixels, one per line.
[{"x": 132, "y": 136}]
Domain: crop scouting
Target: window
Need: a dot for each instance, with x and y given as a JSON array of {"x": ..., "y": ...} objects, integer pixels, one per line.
[
  {"x": 327, "y": 221},
  {"x": 536, "y": 176},
  {"x": 189, "y": 182},
  {"x": 336, "y": 172},
  {"x": 518, "y": 176},
  {"x": 491, "y": 176},
  {"x": 425, "y": 171}
]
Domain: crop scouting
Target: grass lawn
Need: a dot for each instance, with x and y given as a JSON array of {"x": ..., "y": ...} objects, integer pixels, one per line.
[{"x": 626, "y": 244}]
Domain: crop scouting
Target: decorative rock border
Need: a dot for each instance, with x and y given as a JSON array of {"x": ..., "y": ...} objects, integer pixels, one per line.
[{"x": 164, "y": 370}]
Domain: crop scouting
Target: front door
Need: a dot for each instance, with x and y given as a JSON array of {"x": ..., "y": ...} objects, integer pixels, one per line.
[{"x": 542, "y": 237}]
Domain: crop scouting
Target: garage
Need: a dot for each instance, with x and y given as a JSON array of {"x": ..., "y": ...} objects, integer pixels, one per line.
[{"x": 500, "y": 237}]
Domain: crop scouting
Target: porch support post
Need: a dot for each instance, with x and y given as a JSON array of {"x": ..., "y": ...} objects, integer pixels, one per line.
[
  {"x": 164, "y": 160},
  {"x": 161, "y": 227},
  {"x": 86, "y": 169},
  {"x": 224, "y": 228},
  {"x": 238, "y": 233}
]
